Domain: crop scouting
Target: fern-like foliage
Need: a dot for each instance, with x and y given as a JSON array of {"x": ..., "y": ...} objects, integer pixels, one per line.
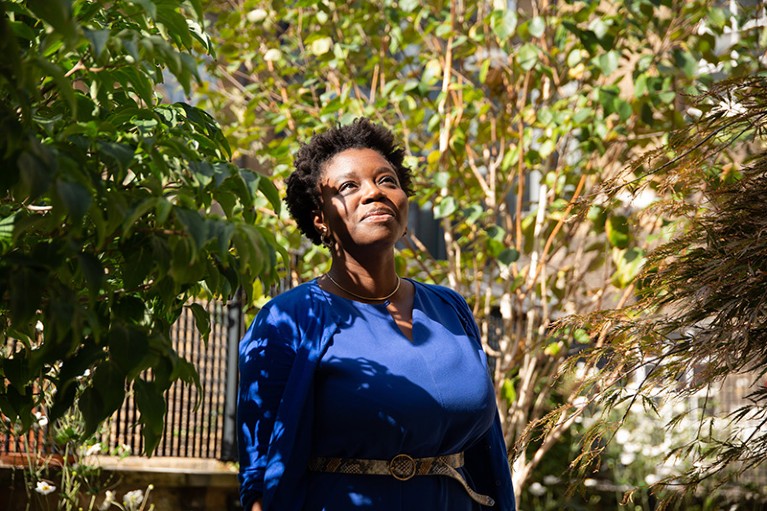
[{"x": 700, "y": 313}]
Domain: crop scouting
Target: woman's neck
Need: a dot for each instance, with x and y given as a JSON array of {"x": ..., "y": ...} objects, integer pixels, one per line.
[{"x": 374, "y": 277}]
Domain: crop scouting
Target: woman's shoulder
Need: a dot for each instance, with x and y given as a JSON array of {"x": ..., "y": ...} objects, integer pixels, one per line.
[
  {"x": 455, "y": 301},
  {"x": 440, "y": 291},
  {"x": 299, "y": 298},
  {"x": 288, "y": 314}
]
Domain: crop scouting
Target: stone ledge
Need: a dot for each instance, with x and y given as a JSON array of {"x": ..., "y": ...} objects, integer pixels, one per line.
[
  {"x": 170, "y": 471},
  {"x": 161, "y": 471}
]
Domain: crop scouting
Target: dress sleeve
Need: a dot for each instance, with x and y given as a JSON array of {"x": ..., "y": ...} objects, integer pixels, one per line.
[{"x": 266, "y": 356}]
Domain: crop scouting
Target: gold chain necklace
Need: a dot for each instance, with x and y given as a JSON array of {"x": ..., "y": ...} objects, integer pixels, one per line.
[{"x": 368, "y": 298}]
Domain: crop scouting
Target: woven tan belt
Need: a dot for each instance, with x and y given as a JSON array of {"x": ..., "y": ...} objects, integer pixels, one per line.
[{"x": 402, "y": 467}]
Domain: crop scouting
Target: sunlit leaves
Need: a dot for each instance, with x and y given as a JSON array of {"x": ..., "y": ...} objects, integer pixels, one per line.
[
  {"x": 117, "y": 207},
  {"x": 513, "y": 116}
]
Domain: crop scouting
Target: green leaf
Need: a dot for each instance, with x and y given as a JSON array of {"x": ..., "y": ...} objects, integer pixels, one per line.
[
  {"x": 446, "y": 207},
  {"x": 75, "y": 198},
  {"x": 194, "y": 225},
  {"x": 110, "y": 383},
  {"x": 598, "y": 217},
  {"x": 409, "y": 5},
  {"x": 149, "y": 7},
  {"x": 121, "y": 154},
  {"x": 508, "y": 256},
  {"x": 90, "y": 406},
  {"x": 63, "y": 84},
  {"x": 92, "y": 270},
  {"x": 574, "y": 57},
  {"x": 186, "y": 372},
  {"x": 581, "y": 336},
  {"x": 138, "y": 211},
  {"x": 201, "y": 319},
  {"x": 537, "y": 26},
  {"x": 266, "y": 186},
  {"x": 527, "y": 56},
  {"x": 667, "y": 97},
  {"x": 441, "y": 179},
  {"x": 617, "y": 229},
  {"x": 552, "y": 349},
  {"x": 628, "y": 264},
  {"x": 58, "y": 13},
  {"x": 36, "y": 168},
  {"x": 504, "y": 23},
  {"x": 6, "y": 230},
  {"x": 26, "y": 288},
  {"x": 608, "y": 62},
  {"x": 508, "y": 391},
  {"x": 686, "y": 63},
  {"x": 128, "y": 347},
  {"x": 98, "y": 40},
  {"x": 151, "y": 405}
]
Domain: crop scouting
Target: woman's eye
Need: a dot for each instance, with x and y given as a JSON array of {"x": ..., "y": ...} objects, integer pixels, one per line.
[
  {"x": 389, "y": 179},
  {"x": 345, "y": 186}
]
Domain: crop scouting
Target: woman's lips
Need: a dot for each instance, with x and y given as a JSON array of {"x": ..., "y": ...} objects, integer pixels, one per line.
[{"x": 379, "y": 214}]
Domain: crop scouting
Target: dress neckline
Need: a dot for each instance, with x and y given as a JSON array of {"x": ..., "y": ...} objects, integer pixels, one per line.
[
  {"x": 381, "y": 308},
  {"x": 385, "y": 303}
]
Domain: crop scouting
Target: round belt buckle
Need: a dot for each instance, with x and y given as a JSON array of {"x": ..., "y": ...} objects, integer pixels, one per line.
[{"x": 402, "y": 467}]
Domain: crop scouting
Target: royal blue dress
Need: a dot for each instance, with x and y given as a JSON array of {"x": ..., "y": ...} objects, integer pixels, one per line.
[
  {"x": 378, "y": 394},
  {"x": 321, "y": 375}
]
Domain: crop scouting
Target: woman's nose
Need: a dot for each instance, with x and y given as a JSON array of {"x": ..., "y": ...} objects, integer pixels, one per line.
[{"x": 372, "y": 192}]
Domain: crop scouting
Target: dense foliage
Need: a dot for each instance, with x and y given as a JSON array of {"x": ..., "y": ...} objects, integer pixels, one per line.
[
  {"x": 511, "y": 117},
  {"x": 115, "y": 208},
  {"x": 700, "y": 316}
]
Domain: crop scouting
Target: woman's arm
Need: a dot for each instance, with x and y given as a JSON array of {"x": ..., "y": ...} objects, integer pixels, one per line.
[{"x": 266, "y": 359}]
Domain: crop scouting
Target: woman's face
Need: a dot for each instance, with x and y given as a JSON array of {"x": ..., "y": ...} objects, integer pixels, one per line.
[{"x": 363, "y": 203}]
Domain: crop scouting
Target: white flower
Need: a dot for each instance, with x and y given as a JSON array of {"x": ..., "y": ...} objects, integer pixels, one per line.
[
  {"x": 257, "y": 15},
  {"x": 44, "y": 487},
  {"x": 124, "y": 449},
  {"x": 729, "y": 108},
  {"x": 589, "y": 483},
  {"x": 622, "y": 436},
  {"x": 550, "y": 480},
  {"x": 537, "y": 489},
  {"x": 93, "y": 449},
  {"x": 39, "y": 326},
  {"x": 321, "y": 46},
  {"x": 694, "y": 112},
  {"x": 272, "y": 54},
  {"x": 627, "y": 458},
  {"x": 704, "y": 29},
  {"x": 580, "y": 402},
  {"x": 133, "y": 500},
  {"x": 42, "y": 420},
  {"x": 109, "y": 499},
  {"x": 706, "y": 67},
  {"x": 651, "y": 478}
]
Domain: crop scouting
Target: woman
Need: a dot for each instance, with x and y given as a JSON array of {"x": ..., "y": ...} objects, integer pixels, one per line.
[{"x": 360, "y": 389}]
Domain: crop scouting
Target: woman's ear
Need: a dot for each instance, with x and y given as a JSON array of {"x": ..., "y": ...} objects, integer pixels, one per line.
[{"x": 319, "y": 222}]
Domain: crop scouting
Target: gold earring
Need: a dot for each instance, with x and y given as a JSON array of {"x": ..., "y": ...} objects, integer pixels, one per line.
[{"x": 325, "y": 237}]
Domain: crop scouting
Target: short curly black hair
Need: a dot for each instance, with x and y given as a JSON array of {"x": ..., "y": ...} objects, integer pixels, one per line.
[{"x": 303, "y": 195}]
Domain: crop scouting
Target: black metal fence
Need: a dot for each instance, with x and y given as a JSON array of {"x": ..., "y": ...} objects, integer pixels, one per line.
[{"x": 197, "y": 424}]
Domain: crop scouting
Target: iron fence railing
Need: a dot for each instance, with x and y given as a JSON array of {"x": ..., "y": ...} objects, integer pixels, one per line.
[{"x": 197, "y": 424}]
